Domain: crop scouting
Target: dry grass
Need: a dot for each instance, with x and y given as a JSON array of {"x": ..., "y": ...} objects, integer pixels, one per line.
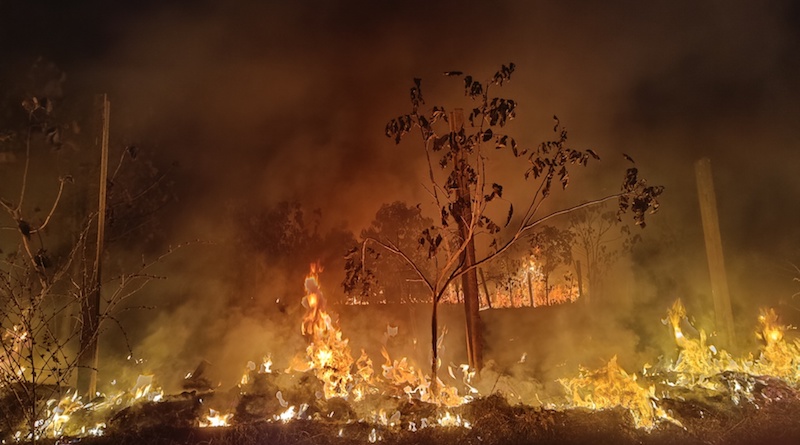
[{"x": 494, "y": 422}]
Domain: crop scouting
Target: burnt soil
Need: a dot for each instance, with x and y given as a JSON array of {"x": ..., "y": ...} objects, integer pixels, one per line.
[{"x": 773, "y": 420}]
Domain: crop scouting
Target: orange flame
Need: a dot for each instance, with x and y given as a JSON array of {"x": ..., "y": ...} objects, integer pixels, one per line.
[{"x": 328, "y": 353}]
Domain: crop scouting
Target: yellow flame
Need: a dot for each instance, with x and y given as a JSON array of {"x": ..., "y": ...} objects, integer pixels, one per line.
[
  {"x": 778, "y": 357},
  {"x": 676, "y": 314},
  {"x": 287, "y": 415},
  {"x": 611, "y": 386},
  {"x": 448, "y": 419},
  {"x": 215, "y": 419},
  {"x": 328, "y": 353}
]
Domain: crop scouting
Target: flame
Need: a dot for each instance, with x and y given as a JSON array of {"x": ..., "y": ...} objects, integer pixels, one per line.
[
  {"x": 291, "y": 413},
  {"x": 13, "y": 340},
  {"x": 328, "y": 352},
  {"x": 145, "y": 389},
  {"x": 697, "y": 364},
  {"x": 447, "y": 419},
  {"x": 328, "y": 355},
  {"x": 215, "y": 419},
  {"x": 675, "y": 315},
  {"x": 59, "y": 413},
  {"x": 610, "y": 387},
  {"x": 524, "y": 286},
  {"x": 778, "y": 357},
  {"x": 697, "y": 360}
]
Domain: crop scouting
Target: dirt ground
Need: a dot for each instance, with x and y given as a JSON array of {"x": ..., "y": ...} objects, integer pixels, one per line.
[{"x": 494, "y": 421}]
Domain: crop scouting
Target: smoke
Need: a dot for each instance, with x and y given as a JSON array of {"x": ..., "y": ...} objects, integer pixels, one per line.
[{"x": 262, "y": 102}]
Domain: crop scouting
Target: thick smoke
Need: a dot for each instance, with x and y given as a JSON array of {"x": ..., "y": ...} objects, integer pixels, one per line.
[{"x": 263, "y": 102}]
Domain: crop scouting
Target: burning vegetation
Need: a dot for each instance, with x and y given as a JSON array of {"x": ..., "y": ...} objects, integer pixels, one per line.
[{"x": 327, "y": 391}]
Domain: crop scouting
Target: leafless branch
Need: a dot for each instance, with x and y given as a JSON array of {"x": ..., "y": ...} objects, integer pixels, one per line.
[{"x": 53, "y": 208}]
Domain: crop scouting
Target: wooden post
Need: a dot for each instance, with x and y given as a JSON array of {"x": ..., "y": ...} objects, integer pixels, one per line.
[
  {"x": 90, "y": 307},
  {"x": 716, "y": 260}
]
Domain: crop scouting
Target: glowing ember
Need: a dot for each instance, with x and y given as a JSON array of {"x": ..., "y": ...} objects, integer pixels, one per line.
[
  {"x": 287, "y": 415},
  {"x": 291, "y": 413},
  {"x": 449, "y": 420},
  {"x": 215, "y": 419},
  {"x": 373, "y": 436}
]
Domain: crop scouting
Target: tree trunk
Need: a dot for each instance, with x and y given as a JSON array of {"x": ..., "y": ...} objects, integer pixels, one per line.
[
  {"x": 434, "y": 347},
  {"x": 594, "y": 284},
  {"x": 485, "y": 288},
  {"x": 580, "y": 283},
  {"x": 547, "y": 289},
  {"x": 530, "y": 290},
  {"x": 469, "y": 281}
]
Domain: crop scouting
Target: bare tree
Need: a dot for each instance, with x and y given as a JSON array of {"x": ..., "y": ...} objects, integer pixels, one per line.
[
  {"x": 394, "y": 282},
  {"x": 47, "y": 272},
  {"x": 462, "y": 192},
  {"x": 288, "y": 237},
  {"x": 600, "y": 240},
  {"x": 551, "y": 247}
]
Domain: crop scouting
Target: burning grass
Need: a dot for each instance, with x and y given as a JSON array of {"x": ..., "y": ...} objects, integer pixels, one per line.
[
  {"x": 494, "y": 421},
  {"x": 329, "y": 397}
]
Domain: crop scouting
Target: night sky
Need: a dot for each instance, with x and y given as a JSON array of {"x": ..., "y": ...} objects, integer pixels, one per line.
[{"x": 265, "y": 101}]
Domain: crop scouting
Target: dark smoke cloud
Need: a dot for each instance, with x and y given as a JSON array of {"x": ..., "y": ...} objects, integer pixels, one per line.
[{"x": 267, "y": 101}]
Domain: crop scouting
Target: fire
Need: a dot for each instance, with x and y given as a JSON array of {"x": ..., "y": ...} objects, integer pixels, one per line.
[
  {"x": 144, "y": 389},
  {"x": 610, "y": 387},
  {"x": 11, "y": 344},
  {"x": 328, "y": 352},
  {"x": 328, "y": 357},
  {"x": 778, "y": 357},
  {"x": 456, "y": 421},
  {"x": 699, "y": 364},
  {"x": 676, "y": 314},
  {"x": 291, "y": 413},
  {"x": 62, "y": 416},
  {"x": 215, "y": 419},
  {"x": 60, "y": 412},
  {"x": 698, "y": 360}
]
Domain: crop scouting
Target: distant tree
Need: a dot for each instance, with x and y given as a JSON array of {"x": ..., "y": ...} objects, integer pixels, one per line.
[
  {"x": 509, "y": 272},
  {"x": 135, "y": 196},
  {"x": 284, "y": 232},
  {"x": 288, "y": 237},
  {"x": 551, "y": 247},
  {"x": 337, "y": 242},
  {"x": 400, "y": 225},
  {"x": 462, "y": 192},
  {"x": 600, "y": 240}
]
